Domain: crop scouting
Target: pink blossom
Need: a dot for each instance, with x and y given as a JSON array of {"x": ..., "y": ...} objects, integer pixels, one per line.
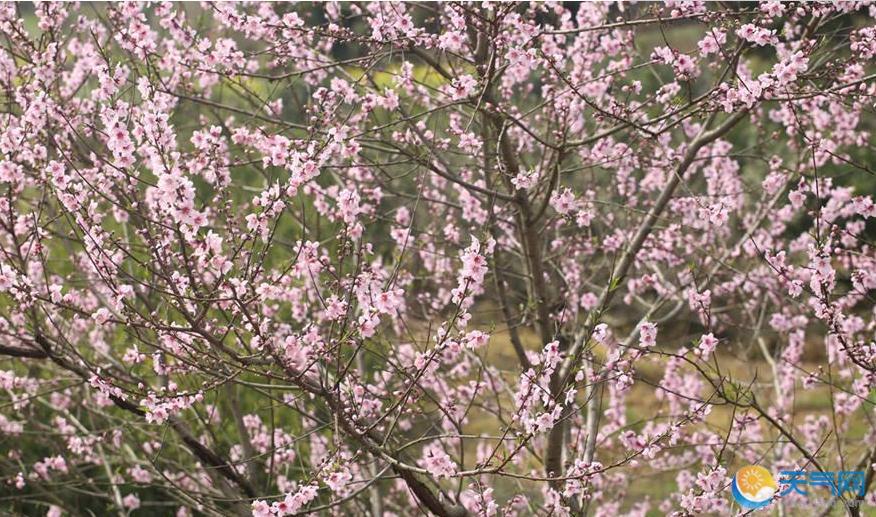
[
  {"x": 400, "y": 257},
  {"x": 463, "y": 86},
  {"x": 563, "y": 202},
  {"x": 101, "y": 316},
  {"x": 260, "y": 509},
  {"x": 338, "y": 480},
  {"x": 757, "y": 35},
  {"x": 707, "y": 345},
  {"x": 712, "y": 42},
  {"x": 131, "y": 502},
  {"x": 525, "y": 180},
  {"x": 647, "y": 335},
  {"x": 436, "y": 461}
]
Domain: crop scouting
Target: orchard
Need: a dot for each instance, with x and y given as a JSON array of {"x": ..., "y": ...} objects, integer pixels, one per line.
[{"x": 454, "y": 259}]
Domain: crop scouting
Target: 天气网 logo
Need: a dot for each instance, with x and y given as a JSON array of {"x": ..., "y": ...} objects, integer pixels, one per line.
[{"x": 753, "y": 487}]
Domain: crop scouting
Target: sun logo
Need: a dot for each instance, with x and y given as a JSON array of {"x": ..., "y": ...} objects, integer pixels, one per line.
[{"x": 753, "y": 487}]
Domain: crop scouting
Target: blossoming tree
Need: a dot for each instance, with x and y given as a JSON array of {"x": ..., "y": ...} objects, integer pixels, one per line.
[{"x": 408, "y": 258}]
